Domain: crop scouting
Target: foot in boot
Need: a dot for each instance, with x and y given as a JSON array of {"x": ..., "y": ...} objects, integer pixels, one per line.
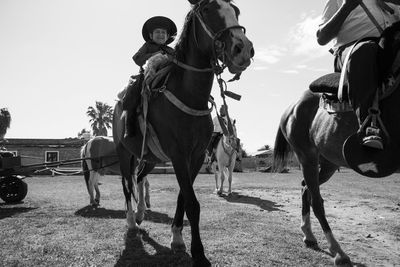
[{"x": 373, "y": 139}]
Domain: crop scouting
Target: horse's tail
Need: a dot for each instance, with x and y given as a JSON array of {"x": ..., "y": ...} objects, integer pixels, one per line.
[
  {"x": 85, "y": 168},
  {"x": 282, "y": 150}
]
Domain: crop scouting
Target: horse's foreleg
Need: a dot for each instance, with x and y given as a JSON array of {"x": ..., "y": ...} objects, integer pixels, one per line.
[
  {"x": 130, "y": 214},
  {"x": 309, "y": 238},
  {"x": 310, "y": 172},
  {"x": 327, "y": 169},
  {"x": 215, "y": 176},
  {"x": 141, "y": 206},
  {"x": 221, "y": 174},
  {"x": 230, "y": 174},
  {"x": 147, "y": 192},
  {"x": 90, "y": 187},
  {"x": 127, "y": 166},
  {"x": 186, "y": 174},
  {"x": 96, "y": 188},
  {"x": 177, "y": 242}
]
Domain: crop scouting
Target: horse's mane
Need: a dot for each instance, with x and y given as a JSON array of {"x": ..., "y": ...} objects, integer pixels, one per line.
[
  {"x": 5, "y": 121},
  {"x": 182, "y": 43}
]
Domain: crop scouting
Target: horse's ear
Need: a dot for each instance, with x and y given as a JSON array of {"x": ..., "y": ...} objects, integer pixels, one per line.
[{"x": 193, "y": 2}]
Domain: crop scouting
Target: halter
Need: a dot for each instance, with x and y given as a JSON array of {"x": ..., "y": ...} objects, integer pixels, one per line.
[{"x": 217, "y": 45}]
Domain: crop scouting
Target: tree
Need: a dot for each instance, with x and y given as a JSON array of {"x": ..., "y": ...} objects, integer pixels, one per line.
[
  {"x": 100, "y": 118},
  {"x": 83, "y": 132},
  {"x": 265, "y": 147},
  {"x": 5, "y": 121}
]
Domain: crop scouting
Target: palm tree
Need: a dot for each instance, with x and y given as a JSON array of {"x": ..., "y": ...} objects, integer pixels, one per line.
[
  {"x": 5, "y": 121},
  {"x": 100, "y": 118}
]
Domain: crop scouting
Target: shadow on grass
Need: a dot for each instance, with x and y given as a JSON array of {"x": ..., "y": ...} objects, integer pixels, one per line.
[
  {"x": 142, "y": 250},
  {"x": 316, "y": 247},
  {"x": 6, "y": 212},
  {"x": 262, "y": 203},
  {"x": 99, "y": 212}
]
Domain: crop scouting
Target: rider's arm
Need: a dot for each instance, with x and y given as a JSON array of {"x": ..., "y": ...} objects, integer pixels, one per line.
[
  {"x": 396, "y": 2},
  {"x": 142, "y": 55},
  {"x": 330, "y": 29}
]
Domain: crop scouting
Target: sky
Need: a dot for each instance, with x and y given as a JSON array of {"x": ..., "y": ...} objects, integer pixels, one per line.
[{"x": 58, "y": 57}]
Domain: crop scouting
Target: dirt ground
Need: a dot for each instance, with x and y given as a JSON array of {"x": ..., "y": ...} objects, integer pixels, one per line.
[{"x": 257, "y": 226}]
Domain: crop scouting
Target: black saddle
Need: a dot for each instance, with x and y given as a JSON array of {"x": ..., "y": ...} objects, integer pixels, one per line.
[{"x": 329, "y": 84}]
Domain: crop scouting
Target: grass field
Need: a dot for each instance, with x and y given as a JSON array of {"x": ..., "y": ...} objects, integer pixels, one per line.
[{"x": 257, "y": 226}]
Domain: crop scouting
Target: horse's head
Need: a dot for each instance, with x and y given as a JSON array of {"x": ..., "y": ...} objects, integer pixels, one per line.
[
  {"x": 230, "y": 137},
  {"x": 217, "y": 32}
]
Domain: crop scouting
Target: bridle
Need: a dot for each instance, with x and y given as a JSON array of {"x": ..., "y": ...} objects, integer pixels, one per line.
[{"x": 217, "y": 45}]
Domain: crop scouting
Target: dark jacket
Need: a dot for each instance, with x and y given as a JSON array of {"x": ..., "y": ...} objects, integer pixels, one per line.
[{"x": 147, "y": 50}]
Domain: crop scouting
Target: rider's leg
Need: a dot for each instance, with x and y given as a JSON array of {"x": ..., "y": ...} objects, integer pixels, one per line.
[
  {"x": 364, "y": 79},
  {"x": 130, "y": 104}
]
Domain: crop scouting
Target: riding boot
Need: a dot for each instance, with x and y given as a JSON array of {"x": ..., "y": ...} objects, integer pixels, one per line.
[
  {"x": 130, "y": 104},
  {"x": 130, "y": 122},
  {"x": 364, "y": 79}
]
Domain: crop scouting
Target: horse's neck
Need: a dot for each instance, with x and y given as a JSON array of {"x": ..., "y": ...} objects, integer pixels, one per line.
[{"x": 195, "y": 86}]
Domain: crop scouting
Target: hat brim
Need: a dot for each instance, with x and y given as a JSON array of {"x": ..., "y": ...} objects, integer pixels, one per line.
[{"x": 159, "y": 22}]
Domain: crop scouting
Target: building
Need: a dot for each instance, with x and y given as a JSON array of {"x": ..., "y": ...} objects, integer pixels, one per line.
[{"x": 36, "y": 151}]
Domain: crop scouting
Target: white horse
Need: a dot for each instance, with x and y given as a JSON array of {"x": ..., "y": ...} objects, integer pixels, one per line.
[
  {"x": 226, "y": 153},
  {"x": 102, "y": 158}
]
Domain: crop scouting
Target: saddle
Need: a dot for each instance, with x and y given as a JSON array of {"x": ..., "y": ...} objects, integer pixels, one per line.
[
  {"x": 328, "y": 85},
  {"x": 162, "y": 67}
]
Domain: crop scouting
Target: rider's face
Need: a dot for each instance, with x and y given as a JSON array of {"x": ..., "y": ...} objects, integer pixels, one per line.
[{"x": 159, "y": 36}]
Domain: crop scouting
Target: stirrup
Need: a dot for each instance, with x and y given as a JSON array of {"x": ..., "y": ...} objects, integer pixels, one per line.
[{"x": 373, "y": 141}]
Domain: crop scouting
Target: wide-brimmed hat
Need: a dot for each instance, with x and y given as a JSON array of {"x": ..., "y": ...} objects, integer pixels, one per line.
[{"x": 159, "y": 22}]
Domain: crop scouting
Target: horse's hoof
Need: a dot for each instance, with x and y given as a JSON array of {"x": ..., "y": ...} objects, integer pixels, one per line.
[
  {"x": 138, "y": 222},
  {"x": 202, "y": 261},
  {"x": 148, "y": 205},
  {"x": 342, "y": 261},
  {"x": 311, "y": 244},
  {"x": 178, "y": 247}
]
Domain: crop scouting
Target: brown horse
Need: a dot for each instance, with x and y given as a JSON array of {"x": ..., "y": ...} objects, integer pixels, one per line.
[
  {"x": 317, "y": 137},
  {"x": 211, "y": 35}
]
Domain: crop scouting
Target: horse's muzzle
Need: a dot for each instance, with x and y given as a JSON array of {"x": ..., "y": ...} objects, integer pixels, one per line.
[{"x": 239, "y": 53}]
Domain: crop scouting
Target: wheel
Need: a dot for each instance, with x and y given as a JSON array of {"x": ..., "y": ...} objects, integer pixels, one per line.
[{"x": 12, "y": 189}]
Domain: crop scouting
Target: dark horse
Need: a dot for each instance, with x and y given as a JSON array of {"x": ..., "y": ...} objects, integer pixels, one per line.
[
  {"x": 211, "y": 33},
  {"x": 317, "y": 137}
]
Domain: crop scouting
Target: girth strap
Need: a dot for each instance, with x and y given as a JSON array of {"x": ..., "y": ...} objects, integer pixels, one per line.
[{"x": 179, "y": 104}]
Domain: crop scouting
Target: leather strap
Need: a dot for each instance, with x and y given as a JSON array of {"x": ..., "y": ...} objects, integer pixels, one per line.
[{"x": 344, "y": 72}]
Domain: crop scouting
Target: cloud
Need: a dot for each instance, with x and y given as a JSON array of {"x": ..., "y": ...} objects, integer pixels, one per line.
[
  {"x": 271, "y": 54},
  {"x": 303, "y": 67},
  {"x": 303, "y": 40},
  {"x": 291, "y": 71}
]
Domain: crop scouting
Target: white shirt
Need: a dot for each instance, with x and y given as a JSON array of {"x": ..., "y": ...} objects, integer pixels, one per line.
[{"x": 358, "y": 25}]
